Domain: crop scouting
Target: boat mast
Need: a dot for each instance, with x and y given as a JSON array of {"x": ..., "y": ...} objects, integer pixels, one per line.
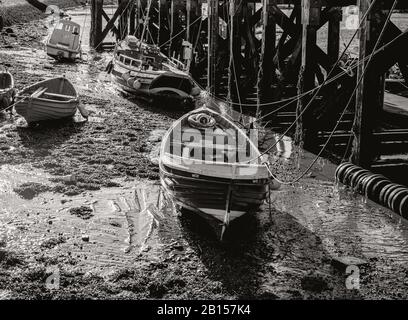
[
  {"x": 146, "y": 20},
  {"x": 212, "y": 17}
]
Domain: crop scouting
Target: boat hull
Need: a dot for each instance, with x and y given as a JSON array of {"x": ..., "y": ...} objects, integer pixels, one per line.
[
  {"x": 47, "y": 100},
  {"x": 7, "y": 90},
  {"x": 210, "y": 197},
  {"x": 167, "y": 96},
  {"x": 155, "y": 80},
  {"x": 64, "y": 43},
  {"x": 40, "y": 110},
  {"x": 60, "y": 53},
  {"x": 210, "y": 166}
]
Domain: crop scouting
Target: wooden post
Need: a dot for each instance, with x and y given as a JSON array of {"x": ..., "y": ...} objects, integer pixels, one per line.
[
  {"x": 357, "y": 126},
  {"x": 96, "y": 24},
  {"x": 145, "y": 23},
  {"x": 188, "y": 13},
  {"x": 158, "y": 21},
  {"x": 138, "y": 19},
  {"x": 310, "y": 22},
  {"x": 171, "y": 27},
  {"x": 333, "y": 42},
  {"x": 267, "y": 68},
  {"x": 235, "y": 63},
  {"x": 231, "y": 49},
  {"x": 369, "y": 94},
  {"x": 212, "y": 45},
  {"x": 123, "y": 20},
  {"x": 132, "y": 18}
]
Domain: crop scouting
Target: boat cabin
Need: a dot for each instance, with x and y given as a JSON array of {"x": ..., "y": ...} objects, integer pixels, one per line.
[
  {"x": 144, "y": 57},
  {"x": 66, "y": 34}
]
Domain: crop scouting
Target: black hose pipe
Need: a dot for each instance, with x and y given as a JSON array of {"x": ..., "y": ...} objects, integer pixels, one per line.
[{"x": 374, "y": 186}]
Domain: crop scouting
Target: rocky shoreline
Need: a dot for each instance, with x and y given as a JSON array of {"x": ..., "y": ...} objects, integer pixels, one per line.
[{"x": 20, "y": 11}]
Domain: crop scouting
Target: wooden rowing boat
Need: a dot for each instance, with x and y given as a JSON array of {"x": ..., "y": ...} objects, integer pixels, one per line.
[
  {"x": 7, "y": 90},
  {"x": 208, "y": 165},
  {"x": 64, "y": 42},
  {"x": 47, "y": 100}
]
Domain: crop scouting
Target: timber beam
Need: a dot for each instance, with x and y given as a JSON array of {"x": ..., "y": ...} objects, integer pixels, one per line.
[
  {"x": 96, "y": 38},
  {"x": 266, "y": 74},
  {"x": 369, "y": 94},
  {"x": 114, "y": 29},
  {"x": 293, "y": 31},
  {"x": 311, "y": 10},
  {"x": 121, "y": 8}
]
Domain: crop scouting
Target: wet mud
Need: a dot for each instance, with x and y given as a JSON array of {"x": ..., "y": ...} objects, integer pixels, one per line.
[{"x": 80, "y": 202}]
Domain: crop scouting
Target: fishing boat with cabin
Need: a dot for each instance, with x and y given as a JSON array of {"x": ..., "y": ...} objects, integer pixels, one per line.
[
  {"x": 208, "y": 165},
  {"x": 141, "y": 69},
  {"x": 64, "y": 42}
]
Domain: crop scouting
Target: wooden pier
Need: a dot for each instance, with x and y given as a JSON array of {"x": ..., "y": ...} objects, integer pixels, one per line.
[{"x": 269, "y": 51}]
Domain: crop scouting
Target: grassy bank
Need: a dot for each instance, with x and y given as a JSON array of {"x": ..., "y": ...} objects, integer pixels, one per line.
[{"x": 20, "y": 11}]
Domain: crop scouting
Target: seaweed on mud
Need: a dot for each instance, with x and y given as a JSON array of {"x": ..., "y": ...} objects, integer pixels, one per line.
[
  {"x": 82, "y": 212},
  {"x": 9, "y": 259},
  {"x": 36, "y": 273},
  {"x": 29, "y": 190},
  {"x": 53, "y": 242},
  {"x": 70, "y": 190}
]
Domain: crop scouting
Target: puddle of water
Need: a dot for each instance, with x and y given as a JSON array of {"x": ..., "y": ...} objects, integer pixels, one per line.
[
  {"x": 346, "y": 222},
  {"x": 123, "y": 222},
  {"x": 346, "y": 225},
  {"x": 11, "y": 176}
]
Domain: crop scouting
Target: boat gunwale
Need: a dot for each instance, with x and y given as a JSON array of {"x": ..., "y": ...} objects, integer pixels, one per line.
[
  {"x": 204, "y": 108},
  {"x": 210, "y": 179},
  {"x": 154, "y": 73},
  {"x": 20, "y": 94}
]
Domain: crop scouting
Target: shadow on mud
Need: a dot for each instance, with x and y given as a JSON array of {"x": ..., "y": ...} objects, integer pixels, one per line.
[
  {"x": 167, "y": 108},
  {"x": 227, "y": 261},
  {"x": 256, "y": 248}
]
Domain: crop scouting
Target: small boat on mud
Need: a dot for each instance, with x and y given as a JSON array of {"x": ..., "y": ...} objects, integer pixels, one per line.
[
  {"x": 7, "y": 90},
  {"x": 64, "y": 42},
  {"x": 142, "y": 70},
  {"x": 47, "y": 100},
  {"x": 209, "y": 166}
]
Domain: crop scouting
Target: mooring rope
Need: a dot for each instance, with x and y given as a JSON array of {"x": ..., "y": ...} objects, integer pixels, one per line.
[
  {"x": 11, "y": 106},
  {"x": 184, "y": 29},
  {"x": 345, "y": 108},
  {"x": 314, "y": 96},
  {"x": 374, "y": 49}
]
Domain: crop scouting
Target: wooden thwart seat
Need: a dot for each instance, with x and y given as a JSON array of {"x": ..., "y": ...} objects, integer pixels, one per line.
[
  {"x": 209, "y": 146},
  {"x": 37, "y": 93},
  {"x": 57, "y": 95}
]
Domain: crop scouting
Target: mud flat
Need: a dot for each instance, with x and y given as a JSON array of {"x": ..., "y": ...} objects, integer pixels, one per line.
[{"x": 79, "y": 202}]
